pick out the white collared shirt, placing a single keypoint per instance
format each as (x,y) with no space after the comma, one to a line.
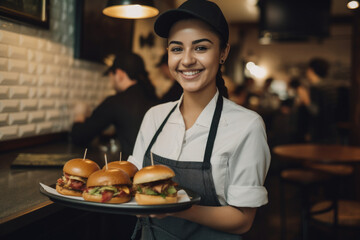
(240,158)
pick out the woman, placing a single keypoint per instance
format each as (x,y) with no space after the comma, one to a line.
(215,147)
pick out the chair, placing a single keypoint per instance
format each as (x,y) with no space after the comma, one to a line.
(314,176)
(305,180)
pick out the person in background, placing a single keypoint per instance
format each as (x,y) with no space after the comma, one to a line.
(217,148)
(320,101)
(125,110)
(175,91)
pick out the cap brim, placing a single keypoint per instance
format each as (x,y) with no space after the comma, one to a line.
(164,22)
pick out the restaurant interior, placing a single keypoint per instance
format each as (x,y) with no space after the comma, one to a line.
(53,54)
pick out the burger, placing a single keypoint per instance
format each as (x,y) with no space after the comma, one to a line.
(154,185)
(108,186)
(126,166)
(76,172)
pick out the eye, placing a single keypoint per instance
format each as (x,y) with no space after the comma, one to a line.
(201,48)
(176,49)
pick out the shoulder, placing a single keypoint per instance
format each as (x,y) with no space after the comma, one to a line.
(236,114)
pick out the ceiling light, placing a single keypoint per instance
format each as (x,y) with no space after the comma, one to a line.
(130,9)
(353,4)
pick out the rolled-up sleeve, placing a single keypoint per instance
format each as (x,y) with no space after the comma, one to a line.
(248,167)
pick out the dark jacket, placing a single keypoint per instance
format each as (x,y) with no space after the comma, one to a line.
(125,111)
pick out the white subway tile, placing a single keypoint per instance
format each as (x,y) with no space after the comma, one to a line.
(40,92)
(9,37)
(44,57)
(53,92)
(52,115)
(9,78)
(37,116)
(27,130)
(4,92)
(28,41)
(53,47)
(17,118)
(4,119)
(9,132)
(3,50)
(46,81)
(19,92)
(4,64)
(27,79)
(9,106)
(46,103)
(17,52)
(53,70)
(28,104)
(32,67)
(40,69)
(30,55)
(44,127)
(17,65)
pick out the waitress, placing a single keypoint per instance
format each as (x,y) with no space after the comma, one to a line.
(215,147)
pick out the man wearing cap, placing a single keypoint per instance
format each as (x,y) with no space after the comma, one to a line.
(125,110)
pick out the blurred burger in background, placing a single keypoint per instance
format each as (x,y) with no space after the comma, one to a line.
(75,175)
(110,185)
(126,166)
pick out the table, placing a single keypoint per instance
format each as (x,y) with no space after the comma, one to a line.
(325,154)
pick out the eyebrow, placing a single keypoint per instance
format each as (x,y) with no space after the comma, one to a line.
(193,42)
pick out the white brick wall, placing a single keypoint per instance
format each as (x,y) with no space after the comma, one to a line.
(40,81)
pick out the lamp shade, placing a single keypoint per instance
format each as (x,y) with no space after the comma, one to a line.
(130,9)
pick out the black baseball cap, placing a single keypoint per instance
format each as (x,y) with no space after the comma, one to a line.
(129,62)
(204,10)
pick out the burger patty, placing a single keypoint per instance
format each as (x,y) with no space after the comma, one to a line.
(72,182)
(163,188)
(108,192)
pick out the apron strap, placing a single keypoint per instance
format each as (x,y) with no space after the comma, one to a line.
(212,132)
(159,130)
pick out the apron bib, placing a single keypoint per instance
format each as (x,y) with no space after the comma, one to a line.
(195,176)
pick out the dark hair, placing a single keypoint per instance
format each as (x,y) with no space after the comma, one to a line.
(319,66)
(134,66)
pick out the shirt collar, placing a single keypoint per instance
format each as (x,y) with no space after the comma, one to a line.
(205,117)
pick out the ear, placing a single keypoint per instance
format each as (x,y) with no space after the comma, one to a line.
(225,52)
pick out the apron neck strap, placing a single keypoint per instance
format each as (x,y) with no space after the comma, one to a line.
(212,133)
(159,130)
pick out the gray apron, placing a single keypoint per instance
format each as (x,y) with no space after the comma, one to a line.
(195,176)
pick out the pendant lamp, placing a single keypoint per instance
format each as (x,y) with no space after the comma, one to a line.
(130,9)
(353,4)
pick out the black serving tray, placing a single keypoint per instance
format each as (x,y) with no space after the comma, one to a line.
(122,208)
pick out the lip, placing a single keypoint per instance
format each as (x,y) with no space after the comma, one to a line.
(190,74)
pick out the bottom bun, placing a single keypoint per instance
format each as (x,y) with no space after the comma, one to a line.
(98,198)
(68,192)
(143,199)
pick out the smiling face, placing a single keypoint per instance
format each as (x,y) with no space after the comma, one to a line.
(194,55)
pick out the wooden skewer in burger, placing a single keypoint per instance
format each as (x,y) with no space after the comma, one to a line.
(153,185)
(109,185)
(75,175)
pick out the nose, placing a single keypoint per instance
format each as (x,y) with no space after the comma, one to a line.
(188,58)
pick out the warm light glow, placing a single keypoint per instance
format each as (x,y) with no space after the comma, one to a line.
(353,4)
(256,71)
(135,11)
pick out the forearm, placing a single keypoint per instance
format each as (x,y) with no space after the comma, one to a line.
(225,218)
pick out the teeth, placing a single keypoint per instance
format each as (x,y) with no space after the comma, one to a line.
(190,73)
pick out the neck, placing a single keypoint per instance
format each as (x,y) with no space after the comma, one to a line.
(193,104)
(127,84)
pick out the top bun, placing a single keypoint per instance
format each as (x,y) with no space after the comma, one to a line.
(128,167)
(153,173)
(110,177)
(80,167)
